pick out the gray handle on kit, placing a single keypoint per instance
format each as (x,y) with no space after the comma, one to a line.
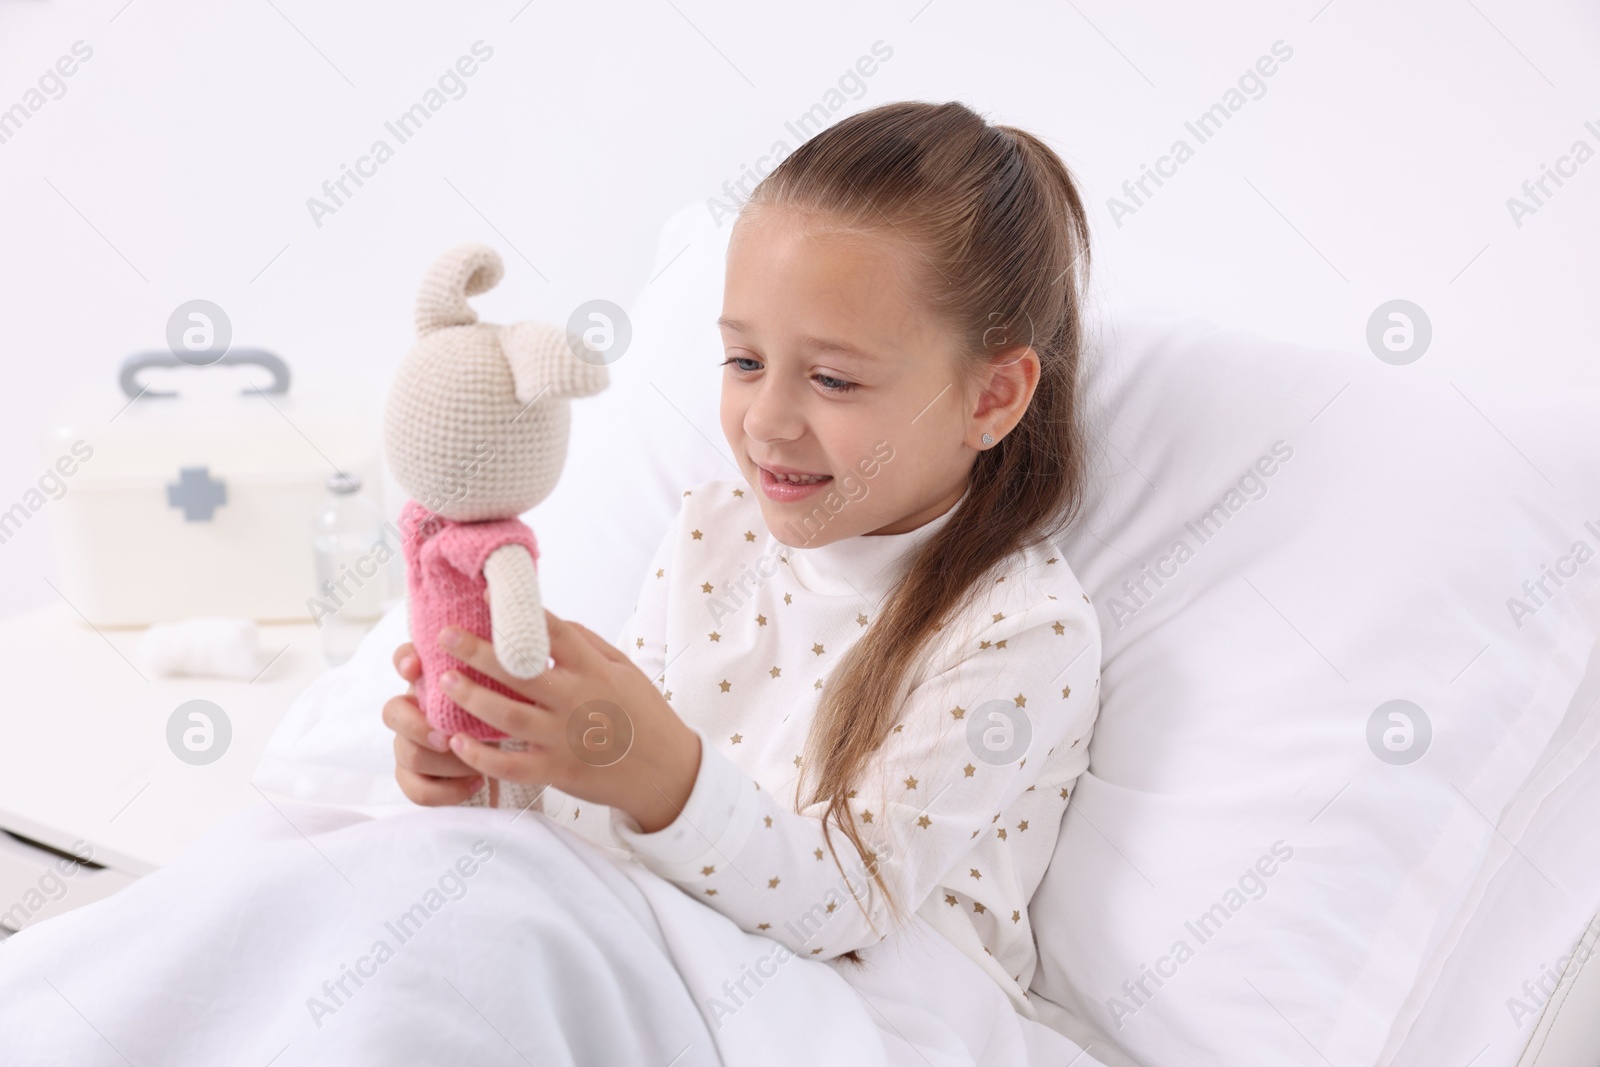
(128,376)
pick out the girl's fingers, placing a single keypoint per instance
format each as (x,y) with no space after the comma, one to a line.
(495,761)
(524,721)
(435,792)
(552,688)
(406,662)
(568,646)
(428,763)
(476,652)
(576,657)
(402,715)
(598,643)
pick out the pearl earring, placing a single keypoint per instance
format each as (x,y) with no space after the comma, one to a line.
(988,440)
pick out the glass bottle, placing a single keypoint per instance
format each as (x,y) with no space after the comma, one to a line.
(353,575)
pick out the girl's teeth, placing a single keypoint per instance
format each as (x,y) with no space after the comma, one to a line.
(797,479)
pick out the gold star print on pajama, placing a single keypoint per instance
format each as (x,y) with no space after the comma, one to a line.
(741,635)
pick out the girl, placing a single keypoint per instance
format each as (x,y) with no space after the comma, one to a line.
(859,682)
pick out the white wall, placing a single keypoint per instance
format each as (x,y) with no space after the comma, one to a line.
(179,160)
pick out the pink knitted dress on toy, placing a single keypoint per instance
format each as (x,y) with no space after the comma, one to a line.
(445,583)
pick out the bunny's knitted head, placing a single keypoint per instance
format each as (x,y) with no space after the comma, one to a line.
(476,422)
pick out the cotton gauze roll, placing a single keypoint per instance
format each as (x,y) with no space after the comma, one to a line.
(215,647)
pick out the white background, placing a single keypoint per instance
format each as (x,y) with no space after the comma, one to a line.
(179,161)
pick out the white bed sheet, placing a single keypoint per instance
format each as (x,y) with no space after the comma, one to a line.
(531,945)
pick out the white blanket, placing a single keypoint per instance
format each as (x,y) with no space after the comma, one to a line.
(309,934)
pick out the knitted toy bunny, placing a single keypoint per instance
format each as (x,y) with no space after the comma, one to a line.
(475,430)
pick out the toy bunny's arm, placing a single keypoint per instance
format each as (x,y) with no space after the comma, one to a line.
(516,612)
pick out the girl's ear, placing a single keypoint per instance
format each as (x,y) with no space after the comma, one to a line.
(544,365)
(465,270)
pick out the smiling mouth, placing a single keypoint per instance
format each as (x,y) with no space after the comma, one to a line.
(789,487)
(797,479)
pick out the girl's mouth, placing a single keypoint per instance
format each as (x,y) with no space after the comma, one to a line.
(787,488)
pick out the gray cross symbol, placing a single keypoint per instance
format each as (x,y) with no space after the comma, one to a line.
(197,493)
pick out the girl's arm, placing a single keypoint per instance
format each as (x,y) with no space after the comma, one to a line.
(940,783)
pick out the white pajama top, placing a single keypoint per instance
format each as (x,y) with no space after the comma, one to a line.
(964,799)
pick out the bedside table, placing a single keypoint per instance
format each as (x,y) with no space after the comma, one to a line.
(86,768)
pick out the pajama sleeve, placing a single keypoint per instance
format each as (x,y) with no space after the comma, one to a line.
(1010,702)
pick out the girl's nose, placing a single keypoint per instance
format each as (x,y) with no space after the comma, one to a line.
(773,414)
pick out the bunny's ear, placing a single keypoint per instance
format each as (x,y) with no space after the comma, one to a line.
(543,364)
(465,270)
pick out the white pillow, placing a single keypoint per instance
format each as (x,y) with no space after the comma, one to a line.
(1498,969)
(1280,543)
(1373,563)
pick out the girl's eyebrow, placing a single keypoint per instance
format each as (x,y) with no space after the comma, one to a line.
(820,344)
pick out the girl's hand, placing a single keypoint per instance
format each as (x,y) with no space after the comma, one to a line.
(428,772)
(596,727)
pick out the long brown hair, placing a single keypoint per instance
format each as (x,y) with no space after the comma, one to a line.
(1003,245)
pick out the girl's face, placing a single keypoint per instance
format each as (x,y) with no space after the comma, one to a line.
(834,369)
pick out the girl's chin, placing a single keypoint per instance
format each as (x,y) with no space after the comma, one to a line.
(795,527)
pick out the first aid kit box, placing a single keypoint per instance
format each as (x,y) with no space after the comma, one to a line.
(177,506)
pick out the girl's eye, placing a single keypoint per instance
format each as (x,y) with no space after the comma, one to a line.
(831,384)
(739,359)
